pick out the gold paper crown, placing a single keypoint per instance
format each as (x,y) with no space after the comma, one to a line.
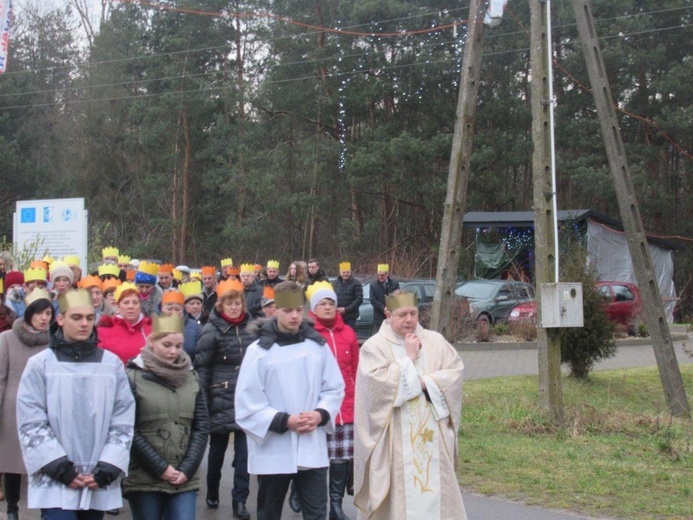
(2,286)
(34,274)
(226,261)
(111,283)
(229,285)
(402,299)
(312,289)
(208,270)
(272,264)
(167,324)
(48,259)
(72,260)
(196,274)
(111,269)
(289,299)
(37,294)
(165,268)
(109,251)
(345,266)
(125,286)
(383,268)
(124,259)
(247,268)
(90,281)
(74,298)
(191,289)
(40,264)
(177,275)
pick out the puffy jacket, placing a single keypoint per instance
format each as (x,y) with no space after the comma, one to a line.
(349,295)
(171,427)
(345,347)
(218,359)
(191,335)
(122,338)
(379,292)
(253,299)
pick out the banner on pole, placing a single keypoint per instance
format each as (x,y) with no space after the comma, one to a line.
(5,22)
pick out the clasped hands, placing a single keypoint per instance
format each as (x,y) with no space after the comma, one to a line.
(304,422)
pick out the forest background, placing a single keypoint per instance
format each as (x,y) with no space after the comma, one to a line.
(290,129)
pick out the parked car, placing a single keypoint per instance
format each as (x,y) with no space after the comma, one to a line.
(423,288)
(492,301)
(622,304)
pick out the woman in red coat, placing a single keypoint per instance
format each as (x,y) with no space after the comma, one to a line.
(344,345)
(125,333)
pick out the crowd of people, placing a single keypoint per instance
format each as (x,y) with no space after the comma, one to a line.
(114,384)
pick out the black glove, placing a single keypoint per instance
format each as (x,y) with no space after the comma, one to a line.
(105,473)
(61,470)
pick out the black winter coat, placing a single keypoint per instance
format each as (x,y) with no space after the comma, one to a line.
(349,296)
(218,359)
(379,292)
(253,299)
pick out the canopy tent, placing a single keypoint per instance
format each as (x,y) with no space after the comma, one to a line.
(505,243)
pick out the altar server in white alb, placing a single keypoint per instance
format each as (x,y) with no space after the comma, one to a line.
(289,391)
(407,413)
(75,418)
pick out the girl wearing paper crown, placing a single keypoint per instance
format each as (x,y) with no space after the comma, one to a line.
(29,335)
(343,343)
(172,304)
(220,351)
(171,427)
(124,334)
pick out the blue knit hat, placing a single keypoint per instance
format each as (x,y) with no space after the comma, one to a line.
(141,277)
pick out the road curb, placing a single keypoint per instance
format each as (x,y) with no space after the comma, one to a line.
(532,345)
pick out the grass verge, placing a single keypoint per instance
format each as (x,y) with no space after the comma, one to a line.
(617,453)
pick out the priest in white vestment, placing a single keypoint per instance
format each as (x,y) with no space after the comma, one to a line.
(407,414)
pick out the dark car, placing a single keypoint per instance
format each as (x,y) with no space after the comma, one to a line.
(622,304)
(492,301)
(423,288)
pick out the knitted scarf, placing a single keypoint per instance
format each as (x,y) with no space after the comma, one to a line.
(173,373)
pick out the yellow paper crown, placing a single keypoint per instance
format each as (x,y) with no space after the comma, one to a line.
(272,264)
(177,275)
(345,266)
(226,261)
(191,289)
(196,274)
(111,269)
(124,259)
(148,267)
(229,285)
(56,264)
(2,286)
(74,298)
(167,324)
(313,288)
(125,286)
(383,268)
(402,299)
(90,281)
(34,274)
(109,251)
(247,268)
(37,294)
(72,260)
(48,259)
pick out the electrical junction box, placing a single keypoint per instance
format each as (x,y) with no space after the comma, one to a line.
(561,305)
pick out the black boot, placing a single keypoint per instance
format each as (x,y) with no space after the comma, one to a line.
(294,502)
(12,486)
(339,474)
(212,501)
(239,511)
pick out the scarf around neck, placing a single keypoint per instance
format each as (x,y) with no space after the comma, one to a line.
(172,372)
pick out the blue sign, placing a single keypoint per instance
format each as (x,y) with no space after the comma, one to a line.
(28,216)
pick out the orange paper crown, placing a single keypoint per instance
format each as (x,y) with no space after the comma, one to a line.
(229,285)
(110,284)
(173,297)
(166,268)
(91,281)
(208,270)
(268,292)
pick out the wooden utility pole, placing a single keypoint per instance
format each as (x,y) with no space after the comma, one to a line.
(458,173)
(548,340)
(665,355)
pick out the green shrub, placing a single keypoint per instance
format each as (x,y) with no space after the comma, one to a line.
(501,329)
(641,330)
(582,347)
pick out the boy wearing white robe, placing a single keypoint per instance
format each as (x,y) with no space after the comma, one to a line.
(289,390)
(75,418)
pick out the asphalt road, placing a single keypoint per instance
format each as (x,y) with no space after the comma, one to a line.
(481,361)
